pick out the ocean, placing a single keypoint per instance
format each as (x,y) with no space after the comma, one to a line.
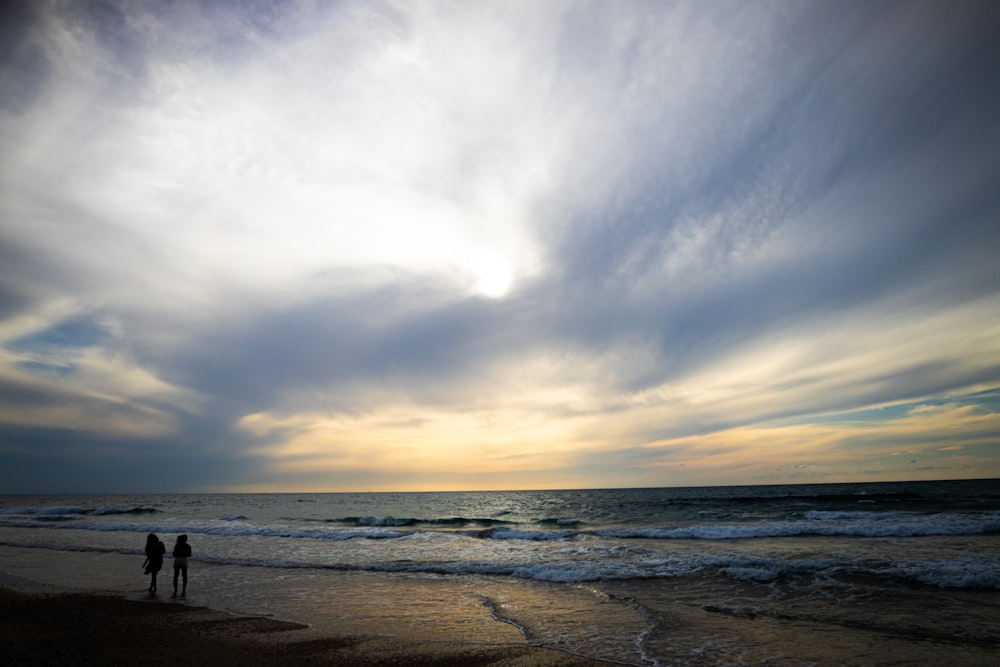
(834,574)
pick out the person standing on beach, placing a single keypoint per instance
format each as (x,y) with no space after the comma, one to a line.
(182,551)
(154,559)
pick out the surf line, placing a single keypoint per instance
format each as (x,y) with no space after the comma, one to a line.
(496,616)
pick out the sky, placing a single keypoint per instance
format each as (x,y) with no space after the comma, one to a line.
(449,245)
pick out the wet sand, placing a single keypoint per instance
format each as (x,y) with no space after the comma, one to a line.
(105,629)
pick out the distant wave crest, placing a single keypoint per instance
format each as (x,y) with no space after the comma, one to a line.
(72,511)
(812,523)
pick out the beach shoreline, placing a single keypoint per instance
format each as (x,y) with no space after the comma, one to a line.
(853,583)
(63,628)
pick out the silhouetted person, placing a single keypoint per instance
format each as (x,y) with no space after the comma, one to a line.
(182,551)
(154,559)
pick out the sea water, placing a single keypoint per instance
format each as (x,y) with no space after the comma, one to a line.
(782,575)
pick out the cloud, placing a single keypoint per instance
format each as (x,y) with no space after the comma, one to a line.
(845,447)
(564,240)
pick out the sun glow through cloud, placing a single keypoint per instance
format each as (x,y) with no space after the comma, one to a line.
(497,245)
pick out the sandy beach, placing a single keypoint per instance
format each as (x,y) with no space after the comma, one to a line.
(280,584)
(104,629)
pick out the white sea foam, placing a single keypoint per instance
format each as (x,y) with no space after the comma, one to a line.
(961,573)
(830,524)
(860,524)
(723,551)
(535,535)
(542,537)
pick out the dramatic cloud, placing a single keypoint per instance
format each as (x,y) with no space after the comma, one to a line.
(357,245)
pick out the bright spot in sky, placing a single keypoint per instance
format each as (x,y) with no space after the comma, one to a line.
(500,244)
(493,274)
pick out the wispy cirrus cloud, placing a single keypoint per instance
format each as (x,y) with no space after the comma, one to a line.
(541,246)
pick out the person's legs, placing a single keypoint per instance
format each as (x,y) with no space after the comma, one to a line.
(184,573)
(176,572)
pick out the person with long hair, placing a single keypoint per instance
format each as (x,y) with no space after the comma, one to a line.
(154,559)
